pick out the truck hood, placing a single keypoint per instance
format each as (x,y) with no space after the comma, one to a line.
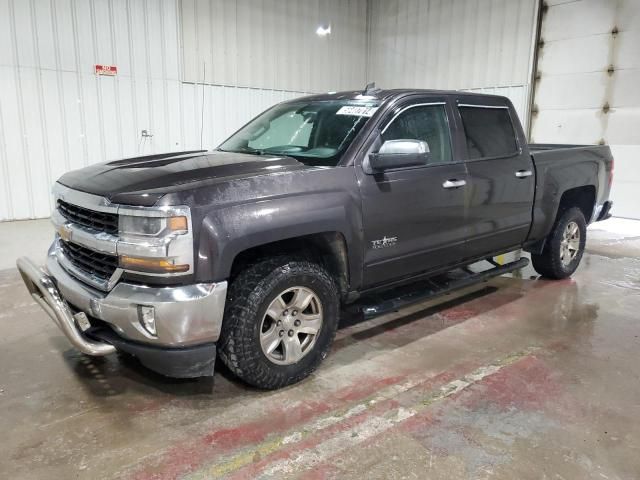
(144,180)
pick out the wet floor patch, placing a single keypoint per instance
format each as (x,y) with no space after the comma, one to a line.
(483,383)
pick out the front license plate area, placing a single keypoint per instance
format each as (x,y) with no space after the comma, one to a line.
(82,321)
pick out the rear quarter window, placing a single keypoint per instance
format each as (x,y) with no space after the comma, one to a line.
(488,132)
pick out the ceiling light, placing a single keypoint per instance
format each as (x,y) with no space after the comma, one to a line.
(323,30)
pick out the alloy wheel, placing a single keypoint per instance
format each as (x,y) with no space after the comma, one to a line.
(290,326)
(570,243)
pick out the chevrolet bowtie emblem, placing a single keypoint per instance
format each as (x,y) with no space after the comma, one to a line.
(65,233)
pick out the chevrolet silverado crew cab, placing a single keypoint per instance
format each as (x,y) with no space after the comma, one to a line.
(252,250)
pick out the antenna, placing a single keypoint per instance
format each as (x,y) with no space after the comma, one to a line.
(204,71)
(370,88)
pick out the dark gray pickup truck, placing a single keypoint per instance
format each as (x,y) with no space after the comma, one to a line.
(252,251)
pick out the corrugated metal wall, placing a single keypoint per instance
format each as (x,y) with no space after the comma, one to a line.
(478,45)
(56,115)
(272,43)
(588,90)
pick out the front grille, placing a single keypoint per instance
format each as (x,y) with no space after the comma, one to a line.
(95,263)
(101,221)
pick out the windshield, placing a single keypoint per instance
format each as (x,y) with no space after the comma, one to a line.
(316,133)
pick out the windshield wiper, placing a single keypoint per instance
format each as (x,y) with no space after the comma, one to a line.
(250,151)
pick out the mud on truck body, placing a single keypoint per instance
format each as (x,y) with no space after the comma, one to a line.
(251,251)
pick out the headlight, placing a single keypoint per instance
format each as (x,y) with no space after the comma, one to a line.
(157,242)
(151,226)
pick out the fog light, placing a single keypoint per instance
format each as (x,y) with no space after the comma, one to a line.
(147,317)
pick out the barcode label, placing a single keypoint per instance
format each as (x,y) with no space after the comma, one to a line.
(357,111)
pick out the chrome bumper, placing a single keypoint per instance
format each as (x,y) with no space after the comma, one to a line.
(185,315)
(44,291)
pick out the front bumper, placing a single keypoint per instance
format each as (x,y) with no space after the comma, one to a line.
(188,318)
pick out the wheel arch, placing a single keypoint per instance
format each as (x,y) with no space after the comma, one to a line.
(326,248)
(583,197)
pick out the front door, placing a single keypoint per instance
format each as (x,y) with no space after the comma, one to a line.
(414,217)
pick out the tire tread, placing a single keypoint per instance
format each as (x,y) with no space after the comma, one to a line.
(548,263)
(237,348)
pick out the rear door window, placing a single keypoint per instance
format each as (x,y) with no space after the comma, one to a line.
(488,131)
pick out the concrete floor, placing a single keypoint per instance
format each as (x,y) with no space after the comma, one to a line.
(516,378)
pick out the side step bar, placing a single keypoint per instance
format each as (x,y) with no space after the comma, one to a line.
(427,289)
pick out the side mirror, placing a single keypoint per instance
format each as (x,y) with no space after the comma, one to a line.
(400,153)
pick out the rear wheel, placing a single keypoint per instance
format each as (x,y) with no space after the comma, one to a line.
(280,321)
(564,247)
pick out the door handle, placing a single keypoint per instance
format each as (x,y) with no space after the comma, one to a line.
(524,173)
(453,183)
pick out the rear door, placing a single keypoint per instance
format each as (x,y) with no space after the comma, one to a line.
(413,218)
(501,174)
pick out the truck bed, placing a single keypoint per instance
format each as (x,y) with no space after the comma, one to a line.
(537,147)
(574,167)
(599,155)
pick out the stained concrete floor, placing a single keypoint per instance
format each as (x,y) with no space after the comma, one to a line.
(515,378)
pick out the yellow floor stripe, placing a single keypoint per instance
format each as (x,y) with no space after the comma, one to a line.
(242,459)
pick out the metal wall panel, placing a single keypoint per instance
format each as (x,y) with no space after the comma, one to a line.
(56,115)
(272,43)
(587,92)
(459,44)
(476,45)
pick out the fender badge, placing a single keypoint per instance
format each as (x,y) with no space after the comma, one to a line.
(384,242)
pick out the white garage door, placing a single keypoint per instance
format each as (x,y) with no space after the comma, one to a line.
(588,86)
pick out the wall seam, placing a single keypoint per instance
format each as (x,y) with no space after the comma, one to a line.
(134,103)
(150,109)
(61,96)
(116,85)
(81,106)
(21,119)
(4,167)
(41,109)
(537,32)
(98,83)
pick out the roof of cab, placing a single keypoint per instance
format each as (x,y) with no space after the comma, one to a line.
(382,95)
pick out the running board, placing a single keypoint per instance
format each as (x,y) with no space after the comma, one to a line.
(400,297)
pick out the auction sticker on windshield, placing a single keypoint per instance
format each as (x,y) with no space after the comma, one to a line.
(357,110)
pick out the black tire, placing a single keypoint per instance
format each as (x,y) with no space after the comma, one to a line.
(250,294)
(549,263)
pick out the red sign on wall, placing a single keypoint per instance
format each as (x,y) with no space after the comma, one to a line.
(106,70)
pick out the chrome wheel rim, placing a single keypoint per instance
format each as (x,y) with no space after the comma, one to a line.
(570,243)
(290,326)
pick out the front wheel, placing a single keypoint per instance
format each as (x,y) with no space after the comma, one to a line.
(281,318)
(564,248)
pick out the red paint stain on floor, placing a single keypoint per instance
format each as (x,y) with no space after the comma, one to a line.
(528,384)
(406,398)
(309,443)
(364,389)
(185,457)
(459,314)
(191,454)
